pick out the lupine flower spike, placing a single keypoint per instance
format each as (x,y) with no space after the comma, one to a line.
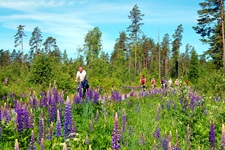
(42,144)
(222,141)
(16,145)
(90,147)
(68,118)
(86,139)
(212,135)
(32,142)
(64,146)
(116,135)
(58,125)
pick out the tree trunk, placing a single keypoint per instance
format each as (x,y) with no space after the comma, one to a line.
(22,50)
(222,21)
(166,65)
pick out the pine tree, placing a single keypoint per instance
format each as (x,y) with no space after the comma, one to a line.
(194,67)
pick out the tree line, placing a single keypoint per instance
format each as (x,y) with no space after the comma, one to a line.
(134,54)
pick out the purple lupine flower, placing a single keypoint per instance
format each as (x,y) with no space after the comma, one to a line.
(222,141)
(53,109)
(41,128)
(16,145)
(125,96)
(49,113)
(73,131)
(157,133)
(116,135)
(113,97)
(86,140)
(25,117)
(68,118)
(6,115)
(42,101)
(89,95)
(192,103)
(80,91)
(124,121)
(141,140)
(58,125)
(19,119)
(42,145)
(77,99)
(60,111)
(212,136)
(96,97)
(118,96)
(31,120)
(55,93)
(165,144)
(162,106)
(48,98)
(50,131)
(61,98)
(32,142)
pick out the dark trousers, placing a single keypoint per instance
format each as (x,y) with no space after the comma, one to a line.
(85,86)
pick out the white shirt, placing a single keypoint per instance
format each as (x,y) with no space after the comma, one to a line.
(81,75)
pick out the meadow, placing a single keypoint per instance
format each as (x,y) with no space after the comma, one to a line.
(175,118)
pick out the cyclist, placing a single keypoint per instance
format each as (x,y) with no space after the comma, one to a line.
(153,83)
(143,82)
(82,75)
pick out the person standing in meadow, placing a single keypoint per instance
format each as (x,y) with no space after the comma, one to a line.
(82,76)
(153,83)
(169,83)
(143,82)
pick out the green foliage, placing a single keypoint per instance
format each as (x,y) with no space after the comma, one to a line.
(41,71)
(194,67)
(212,84)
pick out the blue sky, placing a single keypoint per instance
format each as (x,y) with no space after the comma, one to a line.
(69,20)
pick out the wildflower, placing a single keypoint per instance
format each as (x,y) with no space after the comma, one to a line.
(51,131)
(16,145)
(31,120)
(222,141)
(55,93)
(86,139)
(165,144)
(42,144)
(116,134)
(96,97)
(53,109)
(32,142)
(68,118)
(212,136)
(58,125)
(157,133)
(41,129)
(77,99)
